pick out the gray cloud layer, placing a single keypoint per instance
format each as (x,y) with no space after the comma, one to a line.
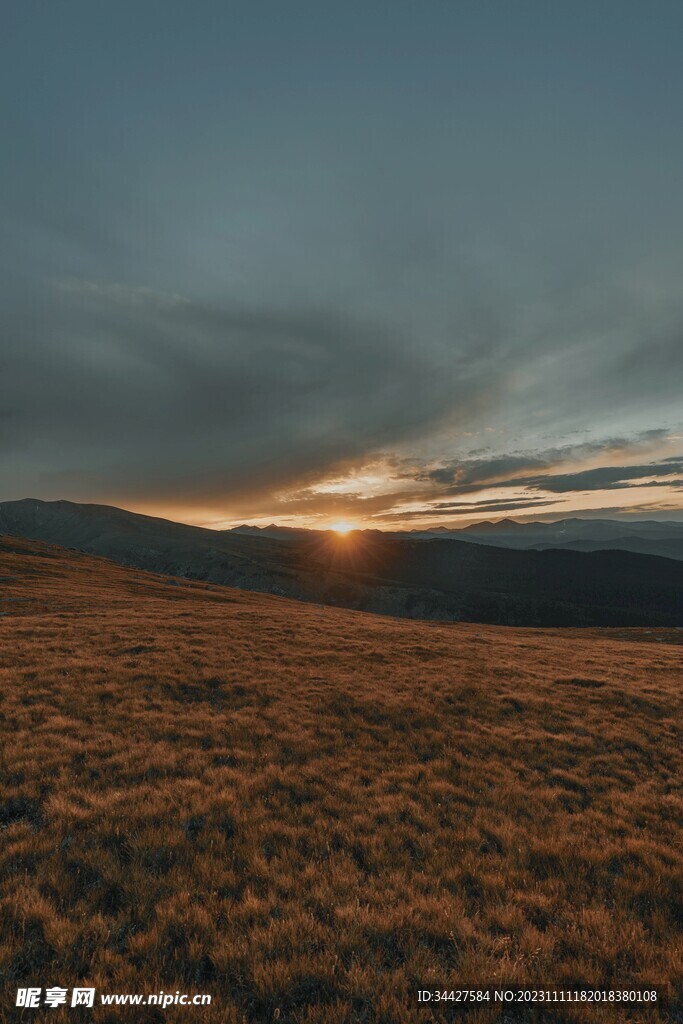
(149,394)
(245,250)
(470,476)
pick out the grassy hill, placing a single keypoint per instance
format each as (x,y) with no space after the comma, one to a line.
(312,813)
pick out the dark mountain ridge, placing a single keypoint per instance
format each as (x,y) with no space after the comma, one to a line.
(647,537)
(387,573)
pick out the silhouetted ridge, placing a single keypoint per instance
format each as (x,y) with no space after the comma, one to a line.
(387,573)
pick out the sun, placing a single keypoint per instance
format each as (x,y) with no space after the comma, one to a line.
(342,527)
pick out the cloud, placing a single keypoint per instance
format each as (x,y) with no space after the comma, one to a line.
(257,284)
(130,393)
(463,476)
(603,478)
(491,505)
(475,476)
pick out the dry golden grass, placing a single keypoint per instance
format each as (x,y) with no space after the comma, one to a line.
(311,813)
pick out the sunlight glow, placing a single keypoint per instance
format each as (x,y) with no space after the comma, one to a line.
(342,527)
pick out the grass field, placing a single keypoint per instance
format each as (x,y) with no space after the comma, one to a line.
(312,813)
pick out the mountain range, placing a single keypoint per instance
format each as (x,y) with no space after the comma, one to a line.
(646,537)
(394,574)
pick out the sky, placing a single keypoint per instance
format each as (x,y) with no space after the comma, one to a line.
(392,264)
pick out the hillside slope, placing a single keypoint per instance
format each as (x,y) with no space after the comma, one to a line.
(311,813)
(671,547)
(436,579)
